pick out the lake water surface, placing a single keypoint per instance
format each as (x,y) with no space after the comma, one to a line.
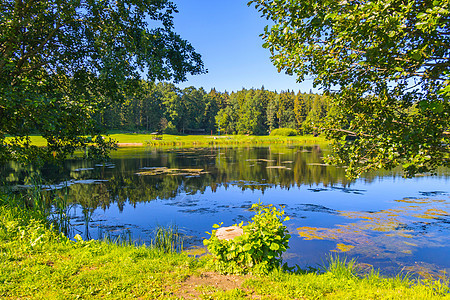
(382,219)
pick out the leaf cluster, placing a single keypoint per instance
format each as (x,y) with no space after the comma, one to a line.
(258,250)
(385,66)
(60,62)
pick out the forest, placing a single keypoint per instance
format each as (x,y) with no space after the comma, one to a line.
(163,107)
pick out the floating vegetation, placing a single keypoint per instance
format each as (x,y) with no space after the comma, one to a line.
(426,270)
(343,248)
(316,208)
(278,167)
(61,185)
(433,193)
(342,189)
(349,190)
(261,159)
(317,190)
(153,171)
(387,233)
(287,162)
(318,164)
(106,165)
(410,244)
(83,169)
(419,200)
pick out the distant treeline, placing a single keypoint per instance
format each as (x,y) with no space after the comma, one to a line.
(163,107)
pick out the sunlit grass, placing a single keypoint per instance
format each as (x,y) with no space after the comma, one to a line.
(138,139)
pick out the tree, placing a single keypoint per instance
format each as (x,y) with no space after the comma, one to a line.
(386,67)
(285,113)
(211,110)
(300,112)
(272,109)
(173,108)
(62,61)
(194,108)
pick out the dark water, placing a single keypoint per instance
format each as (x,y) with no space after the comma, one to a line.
(382,219)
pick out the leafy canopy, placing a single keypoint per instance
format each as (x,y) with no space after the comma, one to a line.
(63,61)
(385,65)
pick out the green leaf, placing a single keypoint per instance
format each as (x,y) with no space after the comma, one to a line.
(247,247)
(416,55)
(274,246)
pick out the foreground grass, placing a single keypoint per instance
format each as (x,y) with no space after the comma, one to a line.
(38,263)
(138,139)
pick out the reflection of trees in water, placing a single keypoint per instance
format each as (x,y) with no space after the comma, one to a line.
(301,167)
(251,168)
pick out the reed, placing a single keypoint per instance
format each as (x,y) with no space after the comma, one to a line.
(167,239)
(35,202)
(339,266)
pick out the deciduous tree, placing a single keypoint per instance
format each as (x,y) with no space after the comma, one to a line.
(385,65)
(62,61)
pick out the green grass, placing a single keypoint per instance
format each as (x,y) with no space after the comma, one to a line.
(37,262)
(207,140)
(199,140)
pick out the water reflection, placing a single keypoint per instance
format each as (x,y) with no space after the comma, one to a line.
(382,219)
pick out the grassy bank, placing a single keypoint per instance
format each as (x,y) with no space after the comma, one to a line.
(139,139)
(39,263)
(208,140)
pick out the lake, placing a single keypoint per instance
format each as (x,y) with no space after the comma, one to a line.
(381,219)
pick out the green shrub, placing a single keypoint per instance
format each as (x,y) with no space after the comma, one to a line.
(258,250)
(284,132)
(170,129)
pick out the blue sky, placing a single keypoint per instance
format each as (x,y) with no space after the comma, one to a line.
(226,34)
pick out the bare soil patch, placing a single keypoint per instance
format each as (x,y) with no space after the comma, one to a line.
(208,283)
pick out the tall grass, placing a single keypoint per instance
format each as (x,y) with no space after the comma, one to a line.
(36,203)
(167,239)
(340,267)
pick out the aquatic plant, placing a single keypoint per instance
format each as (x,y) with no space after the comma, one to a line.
(258,250)
(167,239)
(340,267)
(41,204)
